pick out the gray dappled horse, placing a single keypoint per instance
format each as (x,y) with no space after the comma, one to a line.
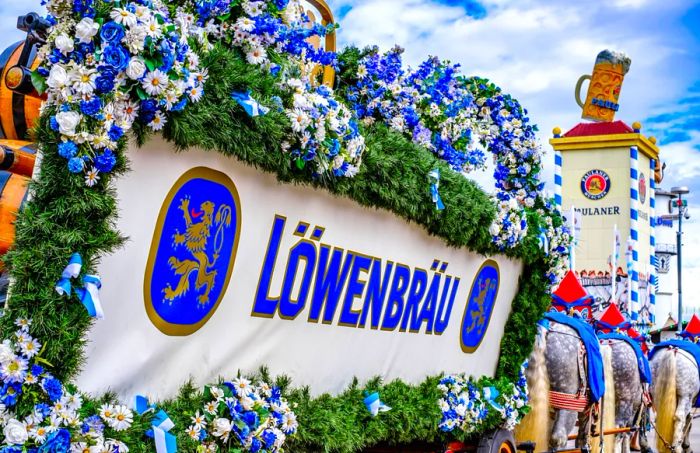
(558,367)
(675,384)
(629,393)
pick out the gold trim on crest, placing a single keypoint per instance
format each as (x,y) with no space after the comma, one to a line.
(210,175)
(471,349)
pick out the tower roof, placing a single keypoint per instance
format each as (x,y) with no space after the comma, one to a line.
(587,129)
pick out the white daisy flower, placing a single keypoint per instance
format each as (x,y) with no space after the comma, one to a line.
(216,392)
(257,55)
(300,120)
(158,121)
(23,323)
(242,386)
(199,421)
(193,431)
(83,80)
(195,93)
(107,412)
(245,24)
(14,370)
(123,417)
(210,407)
(153,28)
(124,17)
(289,422)
(30,348)
(155,82)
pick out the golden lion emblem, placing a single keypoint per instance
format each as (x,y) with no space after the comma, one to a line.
(478,318)
(196,239)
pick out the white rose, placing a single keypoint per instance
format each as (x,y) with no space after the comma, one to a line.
(222,427)
(58,77)
(64,43)
(67,122)
(6,353)
(494,229)
(86,29)
(15,432)
(136,69)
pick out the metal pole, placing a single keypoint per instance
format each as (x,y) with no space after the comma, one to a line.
(679,245)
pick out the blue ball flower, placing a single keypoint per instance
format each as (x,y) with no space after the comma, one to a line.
(251,419)
(105,81)
(115,133)
(91,107)
(53,387)
(112,32)
(37,370)
(255,445)
(116,56)
(57,442)
(53,124)
(75,165)
(105,162)
(269,438)
(67,149)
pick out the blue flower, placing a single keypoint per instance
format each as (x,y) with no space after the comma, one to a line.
(57,442)
(67,150)
(52,386)
(37,370)
(43,409)
(269,438)
(255,445)
(105,162)
(91,107)
(147,110)
(105,81)
(93,424)
(251,419)
(112,32)
(115,133)
(11,449)
(116,56)
(9,393)
(53,124)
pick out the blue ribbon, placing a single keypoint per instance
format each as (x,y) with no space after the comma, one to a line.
(490,394)
(434,178)
(544,241)
(72,270)
(161,424)
(250,105)
(374,404)
(90,297)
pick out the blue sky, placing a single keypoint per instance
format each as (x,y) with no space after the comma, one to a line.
(536,50)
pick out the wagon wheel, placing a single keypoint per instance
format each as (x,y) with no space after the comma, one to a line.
(501,441)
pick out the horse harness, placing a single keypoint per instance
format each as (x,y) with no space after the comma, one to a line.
(579,401)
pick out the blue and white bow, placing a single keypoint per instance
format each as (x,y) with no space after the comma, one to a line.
(72,270)
(544,241)
(160,425)
(250,105)
(89,295)
(490,394)
(434,178)
(374,404)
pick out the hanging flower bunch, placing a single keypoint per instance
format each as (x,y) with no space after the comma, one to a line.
(324,131)
(429,105)
(107,65)
(510,225)
(511,138)
(558,246)
(467,406)
(54,423)
(243,415)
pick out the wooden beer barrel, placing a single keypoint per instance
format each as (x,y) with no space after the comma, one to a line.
(18,112)
(17,156)
(13,193)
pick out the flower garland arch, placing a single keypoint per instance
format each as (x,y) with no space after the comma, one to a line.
(111,68)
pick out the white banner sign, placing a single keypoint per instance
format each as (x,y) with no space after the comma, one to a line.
(225,269)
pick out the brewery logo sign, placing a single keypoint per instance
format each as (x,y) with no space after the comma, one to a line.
(595,184)
(642,188)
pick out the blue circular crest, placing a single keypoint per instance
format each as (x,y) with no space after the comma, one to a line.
(479,307)
(192,252)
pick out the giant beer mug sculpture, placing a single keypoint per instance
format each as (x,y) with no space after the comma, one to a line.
(604,87)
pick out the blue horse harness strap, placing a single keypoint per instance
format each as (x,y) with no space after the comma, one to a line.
(584,301)
(596,377)
(642,362)
(686,346)
(604,325)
